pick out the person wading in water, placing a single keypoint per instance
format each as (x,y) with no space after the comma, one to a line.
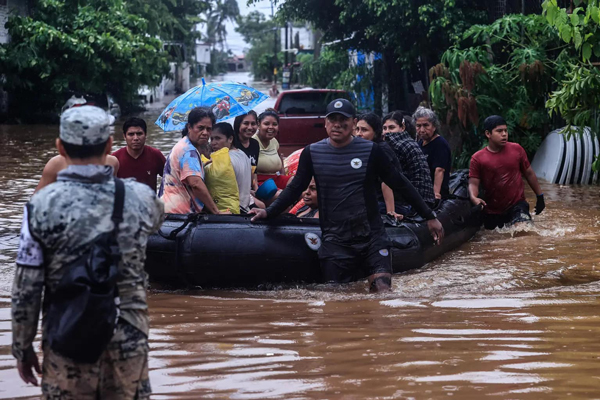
(64,235)
(499,168)
(346,171)
(58,163)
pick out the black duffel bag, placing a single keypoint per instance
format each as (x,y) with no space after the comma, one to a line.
(84,308)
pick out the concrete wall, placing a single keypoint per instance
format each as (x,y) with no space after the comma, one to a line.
(7,6)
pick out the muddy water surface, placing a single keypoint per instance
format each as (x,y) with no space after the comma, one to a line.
(508,315)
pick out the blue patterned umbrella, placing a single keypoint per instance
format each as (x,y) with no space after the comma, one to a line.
(225,99)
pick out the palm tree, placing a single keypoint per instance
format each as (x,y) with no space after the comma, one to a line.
(220,11)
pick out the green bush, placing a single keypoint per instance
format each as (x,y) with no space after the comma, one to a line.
(90,46)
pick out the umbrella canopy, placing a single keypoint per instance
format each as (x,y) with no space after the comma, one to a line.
(225,99)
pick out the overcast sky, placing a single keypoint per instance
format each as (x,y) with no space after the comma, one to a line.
(235,41)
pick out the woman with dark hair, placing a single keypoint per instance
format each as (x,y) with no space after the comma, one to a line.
(244,127)
(369,127)
(270,164)
(394,122)
(225,153)
(182,189)
(311,202)
(398,121)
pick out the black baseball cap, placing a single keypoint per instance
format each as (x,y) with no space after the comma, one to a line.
(341,106)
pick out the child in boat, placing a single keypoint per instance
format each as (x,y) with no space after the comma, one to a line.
(311,202)
(229,172)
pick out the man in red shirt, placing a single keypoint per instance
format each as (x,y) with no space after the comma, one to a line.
(499,168)
(137,160)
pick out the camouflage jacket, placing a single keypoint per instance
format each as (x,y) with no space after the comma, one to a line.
(59,224)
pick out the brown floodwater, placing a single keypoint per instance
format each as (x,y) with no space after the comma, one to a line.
(509,315)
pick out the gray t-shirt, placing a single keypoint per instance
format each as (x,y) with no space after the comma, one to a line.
(243,175)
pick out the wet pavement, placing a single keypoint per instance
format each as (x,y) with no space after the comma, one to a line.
(511,314)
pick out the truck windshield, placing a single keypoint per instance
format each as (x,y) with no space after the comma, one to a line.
(309,102)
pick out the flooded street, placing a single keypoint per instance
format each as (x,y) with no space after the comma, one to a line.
(508,315)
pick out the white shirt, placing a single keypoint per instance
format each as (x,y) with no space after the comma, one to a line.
(243,175)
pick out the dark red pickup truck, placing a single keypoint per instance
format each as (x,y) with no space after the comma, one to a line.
(302,116)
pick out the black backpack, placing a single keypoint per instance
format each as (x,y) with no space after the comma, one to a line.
(84,309)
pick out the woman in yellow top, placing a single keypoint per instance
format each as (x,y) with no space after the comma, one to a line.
(270,162)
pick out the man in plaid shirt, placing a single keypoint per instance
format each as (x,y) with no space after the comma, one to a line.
(412,160)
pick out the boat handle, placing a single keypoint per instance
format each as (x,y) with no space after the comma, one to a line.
(175,232)
(460,220)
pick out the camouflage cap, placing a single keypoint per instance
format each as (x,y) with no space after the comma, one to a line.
(84,126)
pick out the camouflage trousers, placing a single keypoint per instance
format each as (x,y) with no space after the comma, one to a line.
(121,373)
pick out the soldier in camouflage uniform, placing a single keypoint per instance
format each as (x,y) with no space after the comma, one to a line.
(60,222)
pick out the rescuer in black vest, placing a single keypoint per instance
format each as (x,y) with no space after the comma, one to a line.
(346,170)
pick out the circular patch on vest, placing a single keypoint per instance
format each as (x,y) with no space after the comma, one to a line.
(356,163)
(384,252)
(338,104)
(313,241)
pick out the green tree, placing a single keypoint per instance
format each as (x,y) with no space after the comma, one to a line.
(91,46)
(220,11)
(508,67)
(577,99)
(173,21)
(327,70)
(257,31)
(403,31)
(218,62)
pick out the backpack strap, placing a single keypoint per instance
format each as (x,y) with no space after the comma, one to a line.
(117,215)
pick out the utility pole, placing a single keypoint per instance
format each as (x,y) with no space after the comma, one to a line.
(274,45)
(286,44)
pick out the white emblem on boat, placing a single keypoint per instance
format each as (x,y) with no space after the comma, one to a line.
(313,241)
(338,104)
(356,163)
(384,252)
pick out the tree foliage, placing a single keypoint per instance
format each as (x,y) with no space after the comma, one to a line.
(508,68)
(405,32)
(325,71)
(219,12)
(173,21)
(258,31)
(89,46)
(577,98)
